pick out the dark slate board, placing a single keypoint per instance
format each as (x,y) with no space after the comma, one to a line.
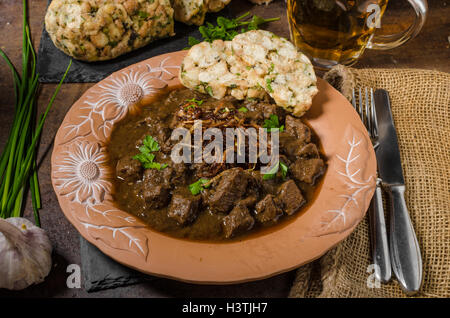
(101,272)
(52,63)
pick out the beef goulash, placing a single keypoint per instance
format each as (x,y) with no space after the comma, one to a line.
(217,201)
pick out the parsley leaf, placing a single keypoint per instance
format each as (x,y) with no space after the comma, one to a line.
(190,106)
(193,41)
(150,143)
(209,90)
(284,170)
(273,123)
(226,29)
(155,165)
(192,103)
(269,85)
(273,172)
(146,157)
(196,101)
(199,186)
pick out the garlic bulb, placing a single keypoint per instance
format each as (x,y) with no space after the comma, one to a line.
(25,254)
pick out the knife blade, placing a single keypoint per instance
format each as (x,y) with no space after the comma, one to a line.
(388,152)
(404,248)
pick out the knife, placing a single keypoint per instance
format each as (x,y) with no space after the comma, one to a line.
(404,247)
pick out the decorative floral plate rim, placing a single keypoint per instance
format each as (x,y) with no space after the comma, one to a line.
(82,184)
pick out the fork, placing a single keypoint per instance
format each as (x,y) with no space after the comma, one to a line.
(379,241)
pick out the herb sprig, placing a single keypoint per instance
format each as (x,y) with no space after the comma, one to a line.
(195,101)
(192,103)
(226,29)
(147,156)
(273,172)
(199,186)
(273,123)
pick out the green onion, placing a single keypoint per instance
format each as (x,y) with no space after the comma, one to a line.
(18,167)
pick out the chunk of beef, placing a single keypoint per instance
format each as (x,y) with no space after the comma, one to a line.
(307,170)
(162,136)
(254,114)
(205,170)
(290,145)
(309,151)
(179,173)
(159,177)
(129,169)
(231,187)
(238,221)
(157,186)
(183,209)
(268,186)
(267,210)
(296,128)
(289,197)
(156,196)
(272,109)
(249,200)
(284,159)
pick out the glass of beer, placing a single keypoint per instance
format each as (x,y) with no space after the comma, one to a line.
(334,32)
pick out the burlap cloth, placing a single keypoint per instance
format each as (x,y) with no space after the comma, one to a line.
(420,106)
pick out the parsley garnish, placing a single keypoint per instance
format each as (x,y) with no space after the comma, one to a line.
(199,186)
(272,173)
(209,90)
(269,85)
(146,157)
(227,29)
(196,101)
(243,109)
(272,66)
(284,170)
(192,103)
(273,123)
(190,106)
(193,41)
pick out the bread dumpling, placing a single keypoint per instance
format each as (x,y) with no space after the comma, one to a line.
(96,30)
(253,65)
(194,11)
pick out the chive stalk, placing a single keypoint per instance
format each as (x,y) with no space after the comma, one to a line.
(18,168)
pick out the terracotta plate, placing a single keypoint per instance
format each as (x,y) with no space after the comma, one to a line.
(82,183)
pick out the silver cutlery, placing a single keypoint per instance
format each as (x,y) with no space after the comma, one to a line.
(404,247)
(379,241)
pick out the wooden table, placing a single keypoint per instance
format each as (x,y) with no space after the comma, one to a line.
(429,50)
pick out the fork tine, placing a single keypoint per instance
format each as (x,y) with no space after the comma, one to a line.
(366,111)
(360,110)
(373,115)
